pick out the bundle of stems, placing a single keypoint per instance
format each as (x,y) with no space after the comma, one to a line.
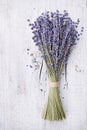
(55,34)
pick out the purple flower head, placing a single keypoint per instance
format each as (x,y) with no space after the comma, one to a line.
(55,34)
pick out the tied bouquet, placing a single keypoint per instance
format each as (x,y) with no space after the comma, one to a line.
(55,34)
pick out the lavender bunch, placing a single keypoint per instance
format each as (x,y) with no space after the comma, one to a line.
(55,34)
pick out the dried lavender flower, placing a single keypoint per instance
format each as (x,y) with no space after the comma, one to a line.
(55,34)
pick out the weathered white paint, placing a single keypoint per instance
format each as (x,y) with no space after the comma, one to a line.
(21,100)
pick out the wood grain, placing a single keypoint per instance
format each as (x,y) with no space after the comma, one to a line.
(21,95)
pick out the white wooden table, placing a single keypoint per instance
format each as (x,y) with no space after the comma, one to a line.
(21,100)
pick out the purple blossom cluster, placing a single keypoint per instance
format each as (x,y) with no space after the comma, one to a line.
(55,34)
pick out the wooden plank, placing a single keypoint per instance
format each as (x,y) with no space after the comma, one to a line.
(21,100)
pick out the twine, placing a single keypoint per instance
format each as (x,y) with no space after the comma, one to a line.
(53,84)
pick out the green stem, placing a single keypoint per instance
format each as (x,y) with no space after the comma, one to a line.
(53,109)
